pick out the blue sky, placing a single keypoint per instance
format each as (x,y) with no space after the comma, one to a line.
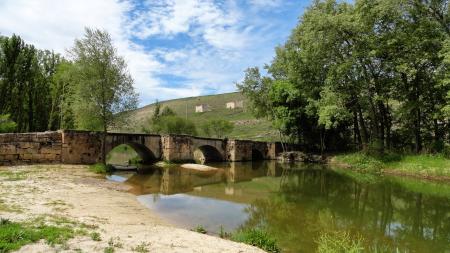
(174,48)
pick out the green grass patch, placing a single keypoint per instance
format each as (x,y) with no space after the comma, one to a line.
(258,238)
(14,235)
(426,165)
(101,168)
(13,175)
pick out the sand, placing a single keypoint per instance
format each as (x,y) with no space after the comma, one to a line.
(79,195)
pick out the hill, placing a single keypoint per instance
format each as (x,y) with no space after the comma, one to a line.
(246,126)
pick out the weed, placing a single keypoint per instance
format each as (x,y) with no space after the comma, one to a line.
(200,229)
(95,236)
(223,234)
(13,235)
(101,168)
(141,248)
(258,238)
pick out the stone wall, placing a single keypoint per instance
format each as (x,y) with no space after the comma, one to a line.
(84,147)
(30,148)
(81,147)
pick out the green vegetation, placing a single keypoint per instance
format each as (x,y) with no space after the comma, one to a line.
(166,121)
(422,165)
(256,237)
(217,128)
(101,168)
(339,241)
(365,75)
(95,236)
(200,229)
(141,248)
(14,235)
(6,124)
(246,126)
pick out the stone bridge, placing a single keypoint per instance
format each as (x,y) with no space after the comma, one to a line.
(84,147)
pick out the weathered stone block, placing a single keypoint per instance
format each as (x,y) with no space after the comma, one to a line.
(8,149)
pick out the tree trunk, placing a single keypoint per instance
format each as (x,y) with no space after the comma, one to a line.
(364,134)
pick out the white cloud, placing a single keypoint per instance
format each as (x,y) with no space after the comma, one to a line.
(223,39)
(266,3)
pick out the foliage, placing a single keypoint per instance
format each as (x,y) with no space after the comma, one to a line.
(6,124)
(339,241)
(104,88)
(101,168)
(95,236)
(367,74)
(14,235)
(200,229)
(26,78)
(218,128)
(420,165)
(141,248)
(256,237)
(165,121)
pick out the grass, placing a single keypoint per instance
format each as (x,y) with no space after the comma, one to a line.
(246,125)
(13,175)
(142,248)
(14,235)
(95,236)
(419,165)
(339,241)
(101,168)
(55,230)
(200,229)
(256,237)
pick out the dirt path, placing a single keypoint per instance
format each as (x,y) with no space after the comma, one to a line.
(77,194)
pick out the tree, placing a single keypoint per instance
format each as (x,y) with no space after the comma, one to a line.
(218,128)
(6,124)
(374,70)
(104,87)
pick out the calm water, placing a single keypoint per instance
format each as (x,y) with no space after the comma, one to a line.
(297,203)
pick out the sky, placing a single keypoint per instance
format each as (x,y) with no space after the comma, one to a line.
(173,48)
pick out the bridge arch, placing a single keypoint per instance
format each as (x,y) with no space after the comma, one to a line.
(144,153)
(206,154)
(257,155)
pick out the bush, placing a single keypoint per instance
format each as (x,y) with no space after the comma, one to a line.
(6,124)
(101,168)
(217,128)
(258,238)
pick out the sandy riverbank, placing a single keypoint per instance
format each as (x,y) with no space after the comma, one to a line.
(79,195)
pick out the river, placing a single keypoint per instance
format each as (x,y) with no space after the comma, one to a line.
(297,203)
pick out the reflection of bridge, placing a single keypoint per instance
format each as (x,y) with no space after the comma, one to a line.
(83,147)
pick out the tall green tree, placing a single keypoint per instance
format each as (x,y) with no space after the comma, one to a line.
(104,87)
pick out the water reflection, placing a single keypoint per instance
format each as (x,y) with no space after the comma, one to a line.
(296,203)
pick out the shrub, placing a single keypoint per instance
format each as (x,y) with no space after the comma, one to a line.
(6,124)
(258,238)
(101,168)
(200,229)
(218,128)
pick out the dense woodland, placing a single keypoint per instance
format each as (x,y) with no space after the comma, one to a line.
(372,75)
(41,90)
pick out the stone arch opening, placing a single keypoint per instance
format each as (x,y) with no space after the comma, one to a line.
(206,154)
(257,155)
(130,153)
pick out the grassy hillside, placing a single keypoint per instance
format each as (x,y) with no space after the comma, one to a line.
(246,126)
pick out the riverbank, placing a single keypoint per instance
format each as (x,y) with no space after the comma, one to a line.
(94,215)
(432,167)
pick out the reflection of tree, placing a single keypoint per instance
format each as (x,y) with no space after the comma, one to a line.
(314,201)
